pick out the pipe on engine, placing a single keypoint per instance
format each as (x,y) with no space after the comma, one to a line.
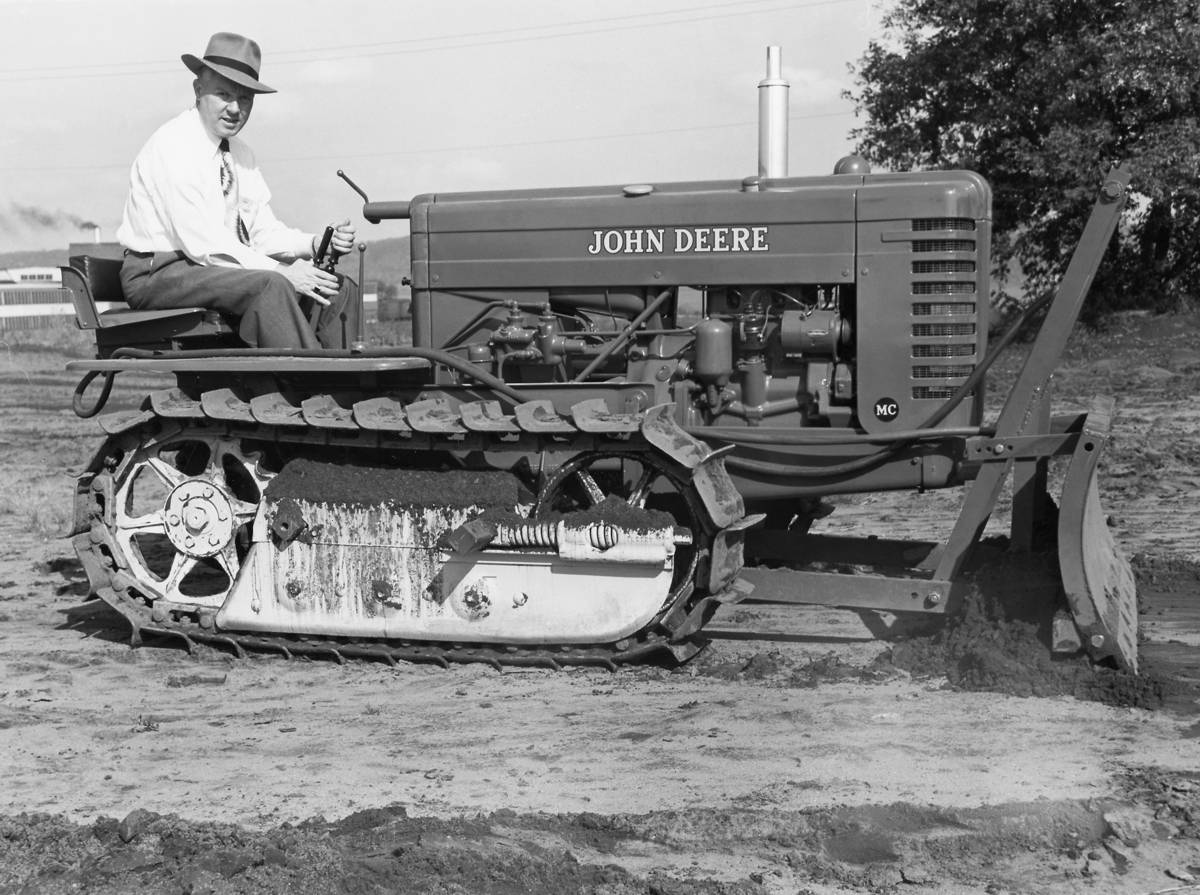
(773,118)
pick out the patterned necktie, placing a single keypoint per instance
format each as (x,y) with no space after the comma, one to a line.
(229,191)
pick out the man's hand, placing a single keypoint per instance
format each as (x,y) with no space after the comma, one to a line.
(342,240)
(311,281)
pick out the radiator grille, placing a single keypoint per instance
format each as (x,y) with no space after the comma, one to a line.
(959,349)
(933,392)
(958,288)
(940,368)
(943,245)
(922,224)
(943,308)
(932,330)
(943,267)
(946,371)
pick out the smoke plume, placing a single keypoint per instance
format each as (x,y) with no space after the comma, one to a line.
(20,217)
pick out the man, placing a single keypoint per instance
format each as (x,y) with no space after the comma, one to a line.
(198,229)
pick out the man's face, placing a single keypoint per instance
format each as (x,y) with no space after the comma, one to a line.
(223,105)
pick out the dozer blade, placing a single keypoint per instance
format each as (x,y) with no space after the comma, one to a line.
(1098,580)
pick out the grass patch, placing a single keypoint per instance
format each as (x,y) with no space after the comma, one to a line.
(61,336)
(40,504)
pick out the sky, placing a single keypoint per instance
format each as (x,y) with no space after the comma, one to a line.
(410,98)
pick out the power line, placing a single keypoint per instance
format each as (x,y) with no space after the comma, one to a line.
(578,33)
(528,143)
(471,148)
(580,22)
(424,45)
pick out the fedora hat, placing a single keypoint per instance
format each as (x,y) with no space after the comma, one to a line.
(231,56)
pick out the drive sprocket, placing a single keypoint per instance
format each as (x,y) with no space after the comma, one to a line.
(181,503)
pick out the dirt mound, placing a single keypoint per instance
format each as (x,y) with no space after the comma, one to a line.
(774,667)
(720,851)
(997,639)
(1168,575)
(1000,640)
(375,851)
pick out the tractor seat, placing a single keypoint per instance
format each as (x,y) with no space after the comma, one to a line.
(95,287)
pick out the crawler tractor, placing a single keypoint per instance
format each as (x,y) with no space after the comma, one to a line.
(609,390)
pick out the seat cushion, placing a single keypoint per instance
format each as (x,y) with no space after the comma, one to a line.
(128,316)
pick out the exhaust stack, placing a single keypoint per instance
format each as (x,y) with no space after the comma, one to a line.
(773,118)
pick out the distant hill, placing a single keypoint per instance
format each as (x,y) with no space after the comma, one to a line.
(386,261)
(37,258)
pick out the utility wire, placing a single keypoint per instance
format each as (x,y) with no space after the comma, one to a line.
(580,22)
(527,143)
(419,45)
(308,51)
(442,149)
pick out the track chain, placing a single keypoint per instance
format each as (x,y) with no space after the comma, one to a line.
(331,420)
(437,417)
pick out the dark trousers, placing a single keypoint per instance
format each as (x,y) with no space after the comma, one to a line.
(270,314)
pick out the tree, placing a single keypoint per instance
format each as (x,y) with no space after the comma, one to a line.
(1042,97)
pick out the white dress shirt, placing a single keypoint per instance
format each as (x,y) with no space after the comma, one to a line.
(175,202)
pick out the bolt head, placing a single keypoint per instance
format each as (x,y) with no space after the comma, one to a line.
(1097,641)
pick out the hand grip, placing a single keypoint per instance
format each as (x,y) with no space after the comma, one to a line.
(319,258)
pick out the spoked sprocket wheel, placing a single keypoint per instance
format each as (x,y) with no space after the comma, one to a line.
(645,481)
(181,504)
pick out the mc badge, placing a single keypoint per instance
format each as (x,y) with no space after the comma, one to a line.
(886,409)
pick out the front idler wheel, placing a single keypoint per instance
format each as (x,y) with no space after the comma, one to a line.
(181,510)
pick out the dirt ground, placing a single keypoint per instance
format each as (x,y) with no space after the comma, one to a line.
(796,754)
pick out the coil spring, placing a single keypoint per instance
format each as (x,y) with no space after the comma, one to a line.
(530,534)
(603,536)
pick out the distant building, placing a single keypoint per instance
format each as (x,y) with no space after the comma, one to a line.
(29,277)
(32,297)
